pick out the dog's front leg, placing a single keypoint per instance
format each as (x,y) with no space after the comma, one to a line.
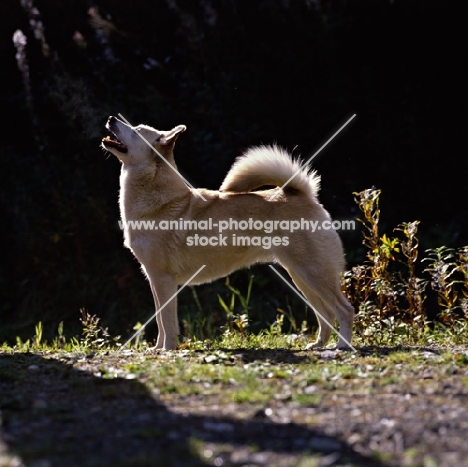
(163,288)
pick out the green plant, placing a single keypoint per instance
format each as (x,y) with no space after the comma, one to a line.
(463,267)
(386,289)
(372,286)
(93,336)
(38,335)
(60,340)
(237,322)
(444,271)
(413,287)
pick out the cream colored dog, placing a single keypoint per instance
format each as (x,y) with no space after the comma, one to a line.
(153,193)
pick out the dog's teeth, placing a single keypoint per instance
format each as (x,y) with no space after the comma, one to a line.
(115,143)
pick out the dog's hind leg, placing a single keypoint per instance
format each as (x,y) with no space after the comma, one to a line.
(164,287)
(345,316)
(325,316)
(328,302)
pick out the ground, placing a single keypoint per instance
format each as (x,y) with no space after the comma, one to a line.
(377,407)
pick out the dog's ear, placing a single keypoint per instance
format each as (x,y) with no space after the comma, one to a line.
(168,138)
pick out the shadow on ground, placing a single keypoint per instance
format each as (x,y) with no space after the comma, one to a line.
(54,415)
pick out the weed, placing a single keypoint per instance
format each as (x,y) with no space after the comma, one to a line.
(237,322)
(386,291)
(446,274)
(93,335)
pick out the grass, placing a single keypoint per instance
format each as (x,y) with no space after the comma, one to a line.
(239,372)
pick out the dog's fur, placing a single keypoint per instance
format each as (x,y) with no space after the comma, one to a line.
(151,190)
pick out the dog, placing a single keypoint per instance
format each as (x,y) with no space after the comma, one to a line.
(264,187)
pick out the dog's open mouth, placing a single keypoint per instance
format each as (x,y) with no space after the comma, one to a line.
(115,143)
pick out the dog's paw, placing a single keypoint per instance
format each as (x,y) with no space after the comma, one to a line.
(342,346)
(161,348)
(314,345)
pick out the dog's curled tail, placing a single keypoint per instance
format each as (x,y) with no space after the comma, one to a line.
(270,166)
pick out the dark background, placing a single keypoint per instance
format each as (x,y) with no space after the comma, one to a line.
(236,73)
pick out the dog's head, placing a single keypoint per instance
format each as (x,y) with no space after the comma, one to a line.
(139,144)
